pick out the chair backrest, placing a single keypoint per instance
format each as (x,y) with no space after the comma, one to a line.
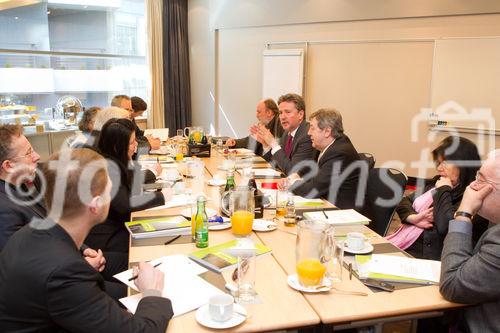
(369,158)
(384,185)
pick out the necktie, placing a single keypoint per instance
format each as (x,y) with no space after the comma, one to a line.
(288,147)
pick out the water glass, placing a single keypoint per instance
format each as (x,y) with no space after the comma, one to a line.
(246,278)
(220,146)
(334,258)
(180,133)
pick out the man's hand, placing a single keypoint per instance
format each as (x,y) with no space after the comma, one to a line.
(148,277)
(158,169)
(423,220)
(95,258)
(474,196)
(230,143)
(443,181)
(263,135)
(153,142)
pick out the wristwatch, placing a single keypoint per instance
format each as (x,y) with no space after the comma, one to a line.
(462,213)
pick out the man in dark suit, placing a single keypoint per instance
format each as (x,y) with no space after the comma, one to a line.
(46,285)
(19,197)
(469,274)
(267,114)
(136,107)
(336,178)
(294,145)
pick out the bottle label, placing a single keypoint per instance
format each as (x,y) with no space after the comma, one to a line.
(202,237)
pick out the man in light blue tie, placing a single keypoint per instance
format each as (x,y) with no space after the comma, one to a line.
(294,145)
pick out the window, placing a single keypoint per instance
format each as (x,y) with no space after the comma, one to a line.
(92,49)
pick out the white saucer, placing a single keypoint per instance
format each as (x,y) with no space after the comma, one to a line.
(293,282)
(203,317)
(221,167)
(263,225)
(186,212)
(367,249)
(216,182)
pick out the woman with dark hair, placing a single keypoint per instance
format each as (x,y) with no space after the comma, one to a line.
(425,217)
(117,144)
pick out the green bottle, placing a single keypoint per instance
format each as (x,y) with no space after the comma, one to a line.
(201,226)
(230,184)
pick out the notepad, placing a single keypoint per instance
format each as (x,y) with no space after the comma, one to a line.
(183,286)
(338,217)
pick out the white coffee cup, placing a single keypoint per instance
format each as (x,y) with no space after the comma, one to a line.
(220,307)
(355,241)
(179,188)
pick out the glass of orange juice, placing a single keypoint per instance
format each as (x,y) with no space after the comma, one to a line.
(310,272)
(313,251)
(241,208)
(242,222)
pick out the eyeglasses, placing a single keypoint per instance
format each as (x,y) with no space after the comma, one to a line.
(28,154)
(481,180)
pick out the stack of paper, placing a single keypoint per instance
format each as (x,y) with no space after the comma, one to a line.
(178,200)
(160,133)
(266,173)
(300,202)
(159,227)
(338,217)
(398,269)
(185,289)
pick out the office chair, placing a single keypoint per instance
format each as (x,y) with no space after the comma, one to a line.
(369,158)
(383,184)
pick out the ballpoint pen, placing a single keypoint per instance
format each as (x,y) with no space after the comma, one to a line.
(172,240)
(135,276)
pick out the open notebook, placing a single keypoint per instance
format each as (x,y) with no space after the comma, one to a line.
(338,217)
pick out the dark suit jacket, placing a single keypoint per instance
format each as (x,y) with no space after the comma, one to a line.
(112,234)
(142,141)
(14,216)
(248,142)
(324,185)
(46,286)
(301,150)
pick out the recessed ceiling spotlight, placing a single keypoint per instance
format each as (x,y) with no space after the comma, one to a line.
(16,18)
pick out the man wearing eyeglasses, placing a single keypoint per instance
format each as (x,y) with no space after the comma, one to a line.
(471,275)
(20,200)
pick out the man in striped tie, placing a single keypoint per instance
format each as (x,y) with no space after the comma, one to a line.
(294,145)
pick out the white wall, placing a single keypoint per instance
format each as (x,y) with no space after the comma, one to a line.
(378,87)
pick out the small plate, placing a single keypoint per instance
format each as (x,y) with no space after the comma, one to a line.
(203,317)
(367,249)
(263,225)
(186,212)
(216,182)
(293,281)
(220,226)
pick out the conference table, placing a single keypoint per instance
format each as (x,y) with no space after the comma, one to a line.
(282,307)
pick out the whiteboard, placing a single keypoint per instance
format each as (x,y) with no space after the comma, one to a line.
(282,72)
(466,81)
